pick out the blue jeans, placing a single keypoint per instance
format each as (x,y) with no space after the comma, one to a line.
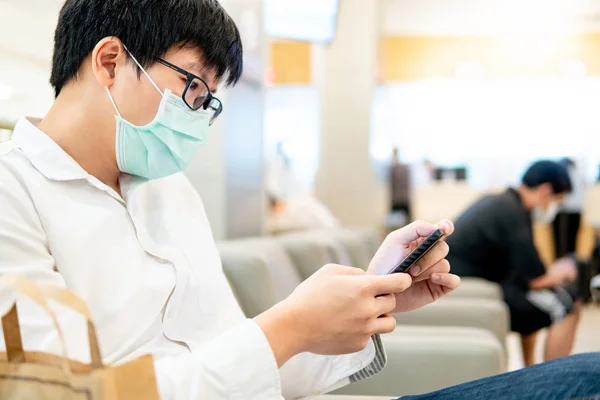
(571,378)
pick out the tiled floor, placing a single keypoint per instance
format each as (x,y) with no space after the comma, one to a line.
(588,338)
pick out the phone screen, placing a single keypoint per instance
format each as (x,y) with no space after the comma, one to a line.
(419,252)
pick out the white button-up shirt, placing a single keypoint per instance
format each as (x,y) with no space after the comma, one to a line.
(148,268)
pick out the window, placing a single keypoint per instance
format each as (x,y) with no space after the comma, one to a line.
(495,127)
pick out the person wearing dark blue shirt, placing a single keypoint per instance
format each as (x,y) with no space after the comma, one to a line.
(494,241)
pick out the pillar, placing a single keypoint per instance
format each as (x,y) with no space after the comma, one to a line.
(346,180)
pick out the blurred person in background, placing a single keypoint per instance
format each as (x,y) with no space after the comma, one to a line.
(401,186)
(568,220)
(93,199)
(281,183)
(423,173)
(293,205)
(494,241)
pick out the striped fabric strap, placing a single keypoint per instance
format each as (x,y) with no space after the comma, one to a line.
(376,366)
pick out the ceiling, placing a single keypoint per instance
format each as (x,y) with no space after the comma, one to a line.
(27,26)
(489,17)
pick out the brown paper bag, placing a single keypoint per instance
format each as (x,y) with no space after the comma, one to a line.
(40,376)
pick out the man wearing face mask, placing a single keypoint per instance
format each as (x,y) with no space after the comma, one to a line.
(494,241)
(92,198)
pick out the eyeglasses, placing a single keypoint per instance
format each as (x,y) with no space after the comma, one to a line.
(197,95)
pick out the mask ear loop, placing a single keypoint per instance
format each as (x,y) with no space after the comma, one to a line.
(112,101)
(143,70)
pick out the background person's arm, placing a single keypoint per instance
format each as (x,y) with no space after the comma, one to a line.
(527,267)
(545,281)
(563,270)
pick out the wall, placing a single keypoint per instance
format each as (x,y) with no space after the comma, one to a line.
(418,57)
(31,93)
(488,17)
(206,173)
(244,127)
(290,62)
(26,40)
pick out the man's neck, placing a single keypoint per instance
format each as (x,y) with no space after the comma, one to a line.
(85,135)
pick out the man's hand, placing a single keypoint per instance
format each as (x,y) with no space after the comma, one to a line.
(430,275)
(563,270)
(335,311)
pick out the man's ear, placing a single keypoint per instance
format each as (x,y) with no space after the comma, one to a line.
(108,55)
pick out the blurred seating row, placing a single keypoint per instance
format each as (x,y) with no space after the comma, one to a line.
(457,339)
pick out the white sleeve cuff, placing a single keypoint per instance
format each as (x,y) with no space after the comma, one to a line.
(238,364)
(312,375)
(376,366)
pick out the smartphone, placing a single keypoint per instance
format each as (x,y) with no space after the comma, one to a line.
(419,252)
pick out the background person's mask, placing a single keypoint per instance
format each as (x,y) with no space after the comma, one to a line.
(546,215)
(166,145)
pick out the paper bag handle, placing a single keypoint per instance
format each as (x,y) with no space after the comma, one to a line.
(76,303)
(10,321)
(39,294)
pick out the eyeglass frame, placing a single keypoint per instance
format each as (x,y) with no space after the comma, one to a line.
(190,78)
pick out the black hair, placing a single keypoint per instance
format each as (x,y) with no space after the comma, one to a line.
(149,29)
(551,172)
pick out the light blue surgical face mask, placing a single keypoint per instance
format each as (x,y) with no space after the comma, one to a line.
(546,215)
(166,145)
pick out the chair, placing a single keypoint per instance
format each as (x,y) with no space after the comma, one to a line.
(478,305)
(261,274)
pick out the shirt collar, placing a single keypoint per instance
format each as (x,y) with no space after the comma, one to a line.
(44,153)
(55,164)
(517,196)
(514,193)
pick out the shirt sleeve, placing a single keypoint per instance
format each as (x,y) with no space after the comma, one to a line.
(238,364)
(308,375)
(24,251)
(23,244)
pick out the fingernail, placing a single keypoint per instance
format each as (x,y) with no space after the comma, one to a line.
(416,270)
(436,277)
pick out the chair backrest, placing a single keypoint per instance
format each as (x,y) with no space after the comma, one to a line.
(361,245)
(260,273)
(311,250)
(264,271)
